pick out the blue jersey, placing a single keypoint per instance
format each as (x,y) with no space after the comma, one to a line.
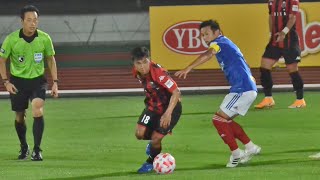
(233,64)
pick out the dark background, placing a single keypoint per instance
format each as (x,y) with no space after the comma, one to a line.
(12,7)
(95,67)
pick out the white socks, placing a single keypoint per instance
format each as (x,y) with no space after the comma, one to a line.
(236,153)
(249,145)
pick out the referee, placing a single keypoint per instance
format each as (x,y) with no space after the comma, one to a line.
(28,49)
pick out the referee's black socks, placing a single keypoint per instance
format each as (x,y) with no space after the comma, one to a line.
(21,129)
(38,127)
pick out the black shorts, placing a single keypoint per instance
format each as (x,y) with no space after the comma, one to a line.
(151,120)
(28,89)
(291,55)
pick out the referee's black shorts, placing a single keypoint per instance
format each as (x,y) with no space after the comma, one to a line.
(28,89)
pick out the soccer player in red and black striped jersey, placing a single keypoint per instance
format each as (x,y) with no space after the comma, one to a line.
(162,104)
(284,43)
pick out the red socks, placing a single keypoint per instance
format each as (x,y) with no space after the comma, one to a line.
(239,132)
(229,130)
(225,131)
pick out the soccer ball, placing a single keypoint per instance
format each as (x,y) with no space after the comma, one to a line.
(164,163)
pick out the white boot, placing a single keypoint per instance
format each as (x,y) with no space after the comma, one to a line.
(315,156)
(249,153)
(234,160)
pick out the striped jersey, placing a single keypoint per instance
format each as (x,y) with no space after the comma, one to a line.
(279,10)
(158,87)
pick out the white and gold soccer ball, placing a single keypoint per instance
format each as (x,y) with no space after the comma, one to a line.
(164,163)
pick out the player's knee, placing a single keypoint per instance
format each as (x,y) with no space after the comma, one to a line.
(296,80)
(266,78)
(37,112)
(139,135)
(37,103)
(156,139)
(292,67)
(222,114)
(156,143)
(20,116)
(140,132)
(267,63)
(37,107)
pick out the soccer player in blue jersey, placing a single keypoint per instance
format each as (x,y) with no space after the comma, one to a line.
(242,93)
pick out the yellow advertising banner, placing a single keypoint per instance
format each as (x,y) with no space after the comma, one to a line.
(175,36)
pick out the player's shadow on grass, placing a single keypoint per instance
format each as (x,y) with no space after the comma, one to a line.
(135,116)
(276,162)
(131,173)
(115,174)
(293,151)
(206,167)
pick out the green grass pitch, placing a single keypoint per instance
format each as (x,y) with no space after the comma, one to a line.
(93,138)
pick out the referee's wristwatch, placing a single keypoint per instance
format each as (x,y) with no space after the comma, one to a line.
(56,81)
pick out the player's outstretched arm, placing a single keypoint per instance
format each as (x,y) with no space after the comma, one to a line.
(52,65)
(200,60)
(166,117)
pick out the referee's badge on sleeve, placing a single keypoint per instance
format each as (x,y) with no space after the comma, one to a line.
(21,59)
(38,57)
(2,51)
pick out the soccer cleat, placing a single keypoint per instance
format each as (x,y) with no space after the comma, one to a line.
(234,161)
(36,155)
(145,168)
(267,102)
(24,152)
(148,149)
(249,153)
(299,103)
(315,156)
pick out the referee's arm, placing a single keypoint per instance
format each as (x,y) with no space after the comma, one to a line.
(52,65)
(3,70)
